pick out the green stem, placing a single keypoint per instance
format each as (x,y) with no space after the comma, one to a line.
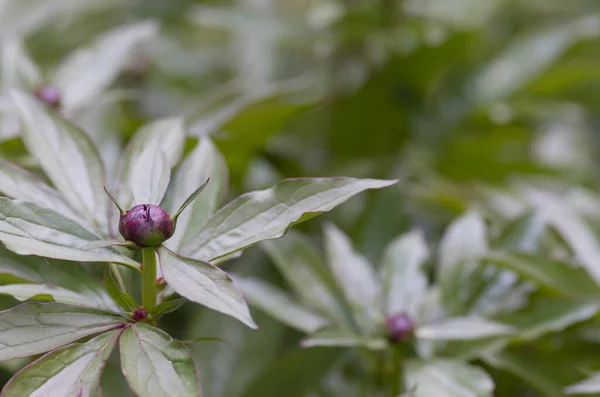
(149,278)
(118,277)
(397,381)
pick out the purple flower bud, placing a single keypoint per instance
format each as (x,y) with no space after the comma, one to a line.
(399,327)
(49,95)
(146,225)
(139,314)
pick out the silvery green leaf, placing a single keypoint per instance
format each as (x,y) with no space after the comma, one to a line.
(402,276)
(33,328)
(578,235)
(71,371)
(18,183)
(267,214)
(279,305)
(355,275)
(447,378)
(528,56)
(89,71)
(204,283)
(28,229)
(18,269)
(591,385)
(168,134)
(67,156)
(463,328)
(302,266)
(150,175)
(17,68)
(44,292)
(462,244)
(155,365)
(335,336)
(202,163)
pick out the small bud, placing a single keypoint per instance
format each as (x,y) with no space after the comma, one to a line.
(399,327)
(146,225)
(49,95)
(139,314)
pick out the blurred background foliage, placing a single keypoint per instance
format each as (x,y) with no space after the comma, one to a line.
(486,104)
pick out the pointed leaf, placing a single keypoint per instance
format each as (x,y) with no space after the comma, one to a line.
(24,292)
(267,214)
(72,371)
(302,266)
(18,69)
(463,242)
(204,283)
(556,276)
(167,307)
(591,385)
(336,336)
(150,175)
(18,183)
(354,274)
(447,378)
(89,71)
(62,276)
(156,365)
(578,234)
(27,229)
(168,134)
(403,279)
(33,328)
(464,328)
(123,299)
(67,156)
(202,163)
(279,305)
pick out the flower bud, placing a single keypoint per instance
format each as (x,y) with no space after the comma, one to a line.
(399,327)
(147,225)
(49,95)
(139,314)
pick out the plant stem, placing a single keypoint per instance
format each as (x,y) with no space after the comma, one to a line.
(397,380)
(118,277)
(149,278)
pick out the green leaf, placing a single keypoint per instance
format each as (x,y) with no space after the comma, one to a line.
(279,305)
(591,385)
(302,266)
(335,336)
(20,184)
(578,235)
(167,307)
(72,371)
(24,292)
(33,328)
(295,373)
(67,156)
(168,134)
(156,365)
(463,242)
(523,234)
(123,299)
(447,378)
(544,373)
(527,57)
(204,283)
(89,71)
(401,273)
(63,276)
(27,229)
(549,316)
(267,214)
(464,328)
(556,276)
(355,275)
(202,163)
(18,69)
(150,175)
